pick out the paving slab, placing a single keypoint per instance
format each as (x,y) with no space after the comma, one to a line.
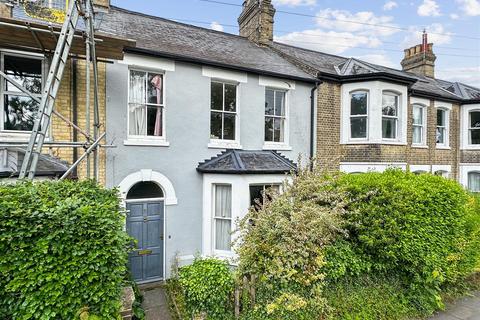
(155,302)
(467,308)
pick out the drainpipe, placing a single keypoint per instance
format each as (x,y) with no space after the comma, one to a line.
(313,130)
(74,109)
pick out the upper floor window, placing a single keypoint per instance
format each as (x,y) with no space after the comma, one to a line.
(390,104)
(275,115)
(223,111)
(474,181)
(146,104)
(418,130)
(474,127)
(19,110)
(358,114)
(222,214)
(442,127)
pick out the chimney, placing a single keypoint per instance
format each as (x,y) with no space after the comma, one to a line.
(256,21)
(420,59)
(102,3)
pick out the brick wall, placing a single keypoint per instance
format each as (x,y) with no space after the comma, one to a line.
(60,131)
(330,152)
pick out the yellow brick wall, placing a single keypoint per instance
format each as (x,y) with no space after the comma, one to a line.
(61,131)
(330,152)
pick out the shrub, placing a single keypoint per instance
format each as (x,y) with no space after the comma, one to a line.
(420,227)
(283,244)
(63,250)
(208,287)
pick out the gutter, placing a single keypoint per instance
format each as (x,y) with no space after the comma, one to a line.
(313,130)
(429,95)
(214,64)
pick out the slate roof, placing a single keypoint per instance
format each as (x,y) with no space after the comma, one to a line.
(247,161)
(179,40)
(47,166)
(337,67)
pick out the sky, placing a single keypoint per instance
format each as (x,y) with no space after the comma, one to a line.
(375,30)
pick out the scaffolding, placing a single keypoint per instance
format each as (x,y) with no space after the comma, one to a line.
(75,9)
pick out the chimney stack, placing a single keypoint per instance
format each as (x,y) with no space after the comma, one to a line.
(5,10)
(420,59)
(256,21)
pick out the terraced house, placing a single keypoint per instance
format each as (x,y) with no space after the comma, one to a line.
(203,122)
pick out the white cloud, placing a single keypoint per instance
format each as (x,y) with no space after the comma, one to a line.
(429,8)
(295,3)
(454,16)
(467,75)
(389,5)
(380,58)
(328,41)
(436,35)
(216,26)
(470,7)
(364,22)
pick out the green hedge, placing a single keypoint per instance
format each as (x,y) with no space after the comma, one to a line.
(62,250)
(208,287)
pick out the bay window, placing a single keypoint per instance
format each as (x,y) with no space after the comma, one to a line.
(259,194)
(474,127)
(222,214)
(358,114)
(390,104)
(474,181)
(275,115)
(418,129)
(19,110)
(146,104)
(442,127)
(223,111)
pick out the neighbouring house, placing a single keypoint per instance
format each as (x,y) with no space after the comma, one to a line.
(29,32)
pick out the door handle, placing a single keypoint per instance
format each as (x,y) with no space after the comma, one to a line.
(161,237)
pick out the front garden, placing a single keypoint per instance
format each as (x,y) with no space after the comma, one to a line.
(390,245)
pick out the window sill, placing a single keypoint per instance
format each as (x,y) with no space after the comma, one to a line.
(276,146)
(443,147)
(419,146)
(471,147)
(353,142)
(146,142)
(219,144)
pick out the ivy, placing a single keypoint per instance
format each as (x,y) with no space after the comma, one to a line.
(63,250)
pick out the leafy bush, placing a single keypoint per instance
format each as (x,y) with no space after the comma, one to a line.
(423,228)
(63,250)
(208,286)
(283,246)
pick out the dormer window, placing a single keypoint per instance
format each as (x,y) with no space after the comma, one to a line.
(358,114)
(390,104)
(474,127)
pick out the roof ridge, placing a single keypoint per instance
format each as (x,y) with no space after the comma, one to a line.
(310,50)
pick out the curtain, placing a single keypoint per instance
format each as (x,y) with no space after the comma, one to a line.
(138,117)
(474,181)
(157,84)
(223,215)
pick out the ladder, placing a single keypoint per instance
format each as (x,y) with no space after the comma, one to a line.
(54,77)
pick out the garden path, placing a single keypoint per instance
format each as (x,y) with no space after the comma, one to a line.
(155,303)
(467,308)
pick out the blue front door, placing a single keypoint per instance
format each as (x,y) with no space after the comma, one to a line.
(145,222)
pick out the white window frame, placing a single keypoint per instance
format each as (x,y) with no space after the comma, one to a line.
(471,129)
(17,134)
(447,108)
(396,118)
(423,125)
(375,93)
(468,179)
(285,144)
(264,185)
(145,140)
(215,218)
(465,125)
(366,116)
(225,143)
